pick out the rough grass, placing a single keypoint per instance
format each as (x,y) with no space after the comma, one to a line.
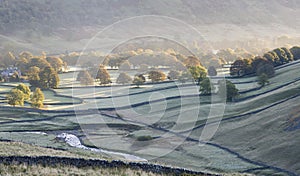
(33,170)
(23,149)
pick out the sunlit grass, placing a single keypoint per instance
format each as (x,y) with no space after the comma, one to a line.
(23,149)
(31,170)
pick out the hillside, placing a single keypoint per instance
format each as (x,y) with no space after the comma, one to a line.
(142,113)
(47,16)
(56,26)
(270,136)
(17,14)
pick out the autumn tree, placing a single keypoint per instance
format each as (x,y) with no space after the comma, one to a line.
(139,80)
(237,68)
(228,89)
(25,90)
(198,73)
(248,66)
(282,55)
(265,68)
(56,63)
(22,64)
(48,78)
(103,75)
(206,87)
(263,79)
(270,57)
(288,54)
(276,60)
(15,97)
(37,98)
(124,78)
(25,54)
(241,67)
(33,76)
(85,78)
(192,61)
(257,62)
(38,62)
(156,76)
(295,52)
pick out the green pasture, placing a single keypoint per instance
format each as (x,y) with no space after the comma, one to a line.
(122,133)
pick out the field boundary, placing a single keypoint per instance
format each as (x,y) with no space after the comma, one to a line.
(80,163)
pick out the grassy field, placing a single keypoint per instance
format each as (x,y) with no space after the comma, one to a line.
(165,122)
(23,149)
(69,170)
(249,135)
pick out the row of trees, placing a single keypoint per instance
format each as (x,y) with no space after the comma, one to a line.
(265,64)
(22,93)
(102,76)
(25,60)
(195,71)
(40,71)
(44,78)
(124,60)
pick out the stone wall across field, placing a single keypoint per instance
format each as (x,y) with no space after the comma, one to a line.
(63,161)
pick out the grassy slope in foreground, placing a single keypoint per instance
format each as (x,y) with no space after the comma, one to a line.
(22,149)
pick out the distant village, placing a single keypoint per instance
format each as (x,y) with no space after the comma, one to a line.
(10,74)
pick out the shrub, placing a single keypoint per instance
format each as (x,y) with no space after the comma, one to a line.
(156,76)
(144,138)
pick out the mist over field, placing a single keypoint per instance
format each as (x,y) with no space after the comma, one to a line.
(44,23)
(149,87)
